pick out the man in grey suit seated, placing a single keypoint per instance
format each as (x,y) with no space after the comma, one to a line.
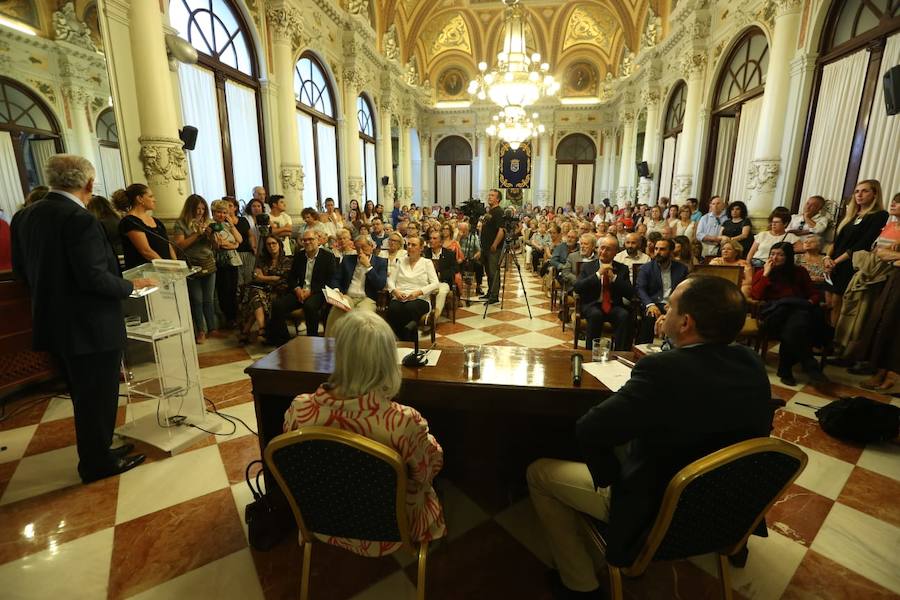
(587,245)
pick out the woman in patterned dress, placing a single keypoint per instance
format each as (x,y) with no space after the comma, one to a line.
(357,398)
(269,282)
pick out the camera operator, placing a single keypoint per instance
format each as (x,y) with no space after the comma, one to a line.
(492,235)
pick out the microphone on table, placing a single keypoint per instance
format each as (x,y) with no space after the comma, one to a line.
(577,359)
(415,358)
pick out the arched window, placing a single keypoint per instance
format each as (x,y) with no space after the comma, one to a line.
(109,170)
(453,171)
(576,159)
(316,127)
(735,118)
(366,122)
(220,97)
(852,139)
(29,135)
(671,134)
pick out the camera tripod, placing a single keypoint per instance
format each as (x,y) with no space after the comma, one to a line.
(503,265)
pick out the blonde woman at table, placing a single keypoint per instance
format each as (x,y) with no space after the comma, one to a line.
(357,398)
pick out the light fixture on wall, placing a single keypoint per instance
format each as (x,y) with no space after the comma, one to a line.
(519,79)
(514,126)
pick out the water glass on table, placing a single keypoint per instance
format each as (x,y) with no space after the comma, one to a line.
(472,356)
(600,349)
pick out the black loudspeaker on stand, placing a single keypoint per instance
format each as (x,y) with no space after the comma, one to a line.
(892,90)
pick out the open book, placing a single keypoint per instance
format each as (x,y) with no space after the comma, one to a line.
(336,298)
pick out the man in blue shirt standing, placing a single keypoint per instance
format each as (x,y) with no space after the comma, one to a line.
(709,227)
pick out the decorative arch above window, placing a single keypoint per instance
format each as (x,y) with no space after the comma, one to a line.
(576,148)
(21,109)
(675,110)
(364,118)
(745,70)
(106,127)
(312,88)
(453,149)
(850,20)
(214,28)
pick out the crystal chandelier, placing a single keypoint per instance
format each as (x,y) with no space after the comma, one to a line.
(514,127)
(519,79)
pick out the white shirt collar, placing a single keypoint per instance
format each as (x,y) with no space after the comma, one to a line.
(71,197)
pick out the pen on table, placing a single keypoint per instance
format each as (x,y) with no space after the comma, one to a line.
(625,362)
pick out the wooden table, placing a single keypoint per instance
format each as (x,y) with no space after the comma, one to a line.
(492,422)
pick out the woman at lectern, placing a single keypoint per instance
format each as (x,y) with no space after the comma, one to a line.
(357,398)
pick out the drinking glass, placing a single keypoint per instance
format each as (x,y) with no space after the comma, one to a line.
(600,350)
(472,356)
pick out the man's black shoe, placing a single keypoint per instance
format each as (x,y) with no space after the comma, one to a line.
(788,380)
(118,466)
(122,451)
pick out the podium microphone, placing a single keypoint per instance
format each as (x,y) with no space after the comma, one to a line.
(577,359)
(415,358)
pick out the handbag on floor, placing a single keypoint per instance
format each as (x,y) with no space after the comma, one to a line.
(263,529)
(860,419)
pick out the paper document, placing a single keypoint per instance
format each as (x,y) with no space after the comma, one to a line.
(612,373)
(336,298)
(433,356)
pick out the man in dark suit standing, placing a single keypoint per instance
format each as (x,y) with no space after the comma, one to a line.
(62,254)
(311,272)
(359,277)
(634,441)
(604,286)
(656,281)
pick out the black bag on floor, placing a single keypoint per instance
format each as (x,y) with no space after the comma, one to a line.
(263,529)
(860,419)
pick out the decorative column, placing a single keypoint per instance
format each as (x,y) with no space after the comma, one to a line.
(650,99)
(610,139)
(386,156)
(284,21)
(693,66)
(353,79)
(762,176)
(405,170)
(484,180)
(162,153)
(544,194)
(427,165)
(78,100)
(627,169)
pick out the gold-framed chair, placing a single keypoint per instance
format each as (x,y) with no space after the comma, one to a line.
(733,273)
(339,483)
(567,298)
(712,505)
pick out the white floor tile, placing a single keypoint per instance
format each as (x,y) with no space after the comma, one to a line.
(868,546)
(74,570)
(535,340)
(473,337)
(521,522)
(14,442)
(824,474)
(242,497)
(60,408)
(477,322)
(393,587)
(534,324)
(162,484)
(805,411)
(535,311)
(43,473)
(232,577)
(882,458)
(246,412)
(224,373)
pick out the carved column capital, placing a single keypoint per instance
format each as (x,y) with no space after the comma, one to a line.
(692,64)
(681,188)
(762,175)
(355,186)
(164,161)
(786,7)
(284,22)
(649,96)
(77,95)
(291,177)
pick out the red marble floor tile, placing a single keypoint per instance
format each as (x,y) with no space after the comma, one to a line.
(485,562)
(23,412)
(873,494)
(449,328)
(52,435)
(807,432)
(6,472)
(818,578)
(834,390)
(229,394)
(504,343)
(799,514)
(335,574)
(237,454)
(505,315)
(446,343)
(550,318)
(221,357)
(160,546)
(558,333)
(35,524)
(462,313)
(504,330)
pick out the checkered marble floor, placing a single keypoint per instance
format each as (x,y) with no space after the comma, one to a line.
(174,528)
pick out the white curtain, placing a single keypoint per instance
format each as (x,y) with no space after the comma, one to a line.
(723,155)
(200,109)
(463,183)
(328,169)
(883,134)
(111,161)
(415,152)
(444,185)
(584,177)
(668,167)
(563,195)
(832,134)
(10,184)
(743,151)
(41,151)
(243,126)
(307,159)
(371,175)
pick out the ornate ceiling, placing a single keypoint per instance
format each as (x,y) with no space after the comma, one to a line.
(583,40)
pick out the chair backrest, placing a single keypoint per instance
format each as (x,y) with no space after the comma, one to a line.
(732,273)
(716,502)
(341,484)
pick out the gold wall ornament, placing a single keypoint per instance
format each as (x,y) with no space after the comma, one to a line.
(284,21)
(164,161)
(590,25)
(448,34)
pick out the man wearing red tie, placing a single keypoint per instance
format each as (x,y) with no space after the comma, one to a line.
(604,286)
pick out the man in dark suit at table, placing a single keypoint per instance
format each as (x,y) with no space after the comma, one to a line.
(634,441)
(359,277)
(604,285)
(656,280)
(311,272)
(60,251)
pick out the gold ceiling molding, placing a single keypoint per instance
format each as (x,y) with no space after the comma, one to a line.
(593,25)
(450,33)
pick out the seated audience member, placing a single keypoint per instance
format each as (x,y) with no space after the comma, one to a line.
(587,244)
(626,219)
(731,257)
(226,240)
(694,205)
(652,238)
(709,227)
(357,398)
(449,242)
(813,219)
(310,220)
(737,226)
(343,243)
(604,285)
(411,283)
(103,209)
(684,225)
(394,251)
(269,282)
(144,237)
(561,252)
(764,240)
(331,219)
(632,254)
(555,240)
(656,222)
(792,314)
(360,277)
(445,266)
(634,442)
(311,272)
(280,223)
(470,245)
(541,246)
(37,193)
(655,283)
(684,251)
(812,259)
(378,234)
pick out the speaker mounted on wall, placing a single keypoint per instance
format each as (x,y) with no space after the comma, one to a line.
(188,136)
(892,90)
(643,169)
(385,180)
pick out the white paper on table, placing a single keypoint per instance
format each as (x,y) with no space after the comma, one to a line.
(611,373)
(433,356)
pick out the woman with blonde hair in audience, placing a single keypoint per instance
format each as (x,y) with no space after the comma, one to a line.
(358,398)
(813,261)
(731,257)
(144,237)
(192,234)
(684,226)
(394,251)
(269,282)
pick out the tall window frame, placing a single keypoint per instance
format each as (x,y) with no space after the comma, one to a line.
(316,100)
(231,58)
(575,149)
(109,158)
(672,126)
(453,152)
(365,120)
